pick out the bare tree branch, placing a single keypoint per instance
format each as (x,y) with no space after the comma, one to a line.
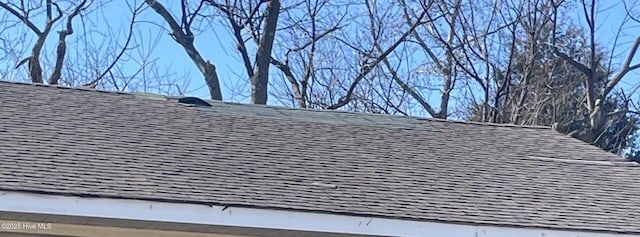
(298,94)
(626,67)
(344,100)
(62,44)
(24,18)
(207,69)
(125,47)
(35,70)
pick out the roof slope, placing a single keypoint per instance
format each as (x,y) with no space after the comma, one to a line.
(78,142)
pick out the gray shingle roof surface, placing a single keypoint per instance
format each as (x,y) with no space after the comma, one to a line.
(79,142)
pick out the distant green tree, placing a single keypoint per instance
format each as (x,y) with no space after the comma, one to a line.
(544,89)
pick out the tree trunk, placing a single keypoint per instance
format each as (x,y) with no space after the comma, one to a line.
(260,79)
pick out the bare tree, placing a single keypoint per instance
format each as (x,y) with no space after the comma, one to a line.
(82,56)
(445,37)
(537,85)
(250,16)
(319,57)
(22,12)
(260,79)
(299,49)
(183,35)
(596,95)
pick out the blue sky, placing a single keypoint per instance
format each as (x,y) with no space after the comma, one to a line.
(215,44)
(219,48)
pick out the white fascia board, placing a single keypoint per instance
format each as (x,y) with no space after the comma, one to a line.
(259,218)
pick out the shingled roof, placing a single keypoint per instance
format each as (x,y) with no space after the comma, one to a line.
(105,144)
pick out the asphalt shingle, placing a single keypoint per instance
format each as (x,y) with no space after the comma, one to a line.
(81,142)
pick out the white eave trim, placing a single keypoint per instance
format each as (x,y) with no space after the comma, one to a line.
(258,218)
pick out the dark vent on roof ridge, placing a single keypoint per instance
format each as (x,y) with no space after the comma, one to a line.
(194,101)
(625,163)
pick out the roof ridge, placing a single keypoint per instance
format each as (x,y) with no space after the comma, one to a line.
(395,116)
(490,124)
(612,162)
(80,88)
(418,118)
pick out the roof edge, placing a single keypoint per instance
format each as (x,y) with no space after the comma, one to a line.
(255,216)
